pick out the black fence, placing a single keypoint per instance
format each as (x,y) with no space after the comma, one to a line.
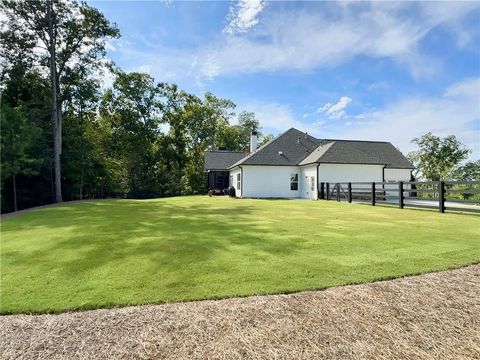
(441,195)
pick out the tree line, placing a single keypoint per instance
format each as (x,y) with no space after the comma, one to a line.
(65,137)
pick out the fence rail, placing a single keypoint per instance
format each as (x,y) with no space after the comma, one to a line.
(448,195)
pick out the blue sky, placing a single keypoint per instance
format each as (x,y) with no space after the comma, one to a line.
(355,70)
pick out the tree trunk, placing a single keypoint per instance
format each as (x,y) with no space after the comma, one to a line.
(15,207)
(57,145)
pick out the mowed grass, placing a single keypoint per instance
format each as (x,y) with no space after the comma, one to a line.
(118,252)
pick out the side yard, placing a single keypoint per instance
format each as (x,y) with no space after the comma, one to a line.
(123,252)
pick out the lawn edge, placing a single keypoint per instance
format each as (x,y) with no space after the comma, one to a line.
(236,296)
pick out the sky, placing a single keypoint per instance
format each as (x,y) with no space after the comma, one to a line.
(387,71)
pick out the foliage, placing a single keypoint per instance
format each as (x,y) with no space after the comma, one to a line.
(266,139)
(470,171)
(17,138)
(106,253)
(437,157)
(65,37)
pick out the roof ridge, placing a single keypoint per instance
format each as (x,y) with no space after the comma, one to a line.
(364,141)
(224,151)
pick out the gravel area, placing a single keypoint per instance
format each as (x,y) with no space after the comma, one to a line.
(432,316)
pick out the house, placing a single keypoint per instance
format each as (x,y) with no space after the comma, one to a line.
(294,164)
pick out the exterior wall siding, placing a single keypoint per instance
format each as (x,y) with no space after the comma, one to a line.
(233,175)
(350,173)
(309,173)
(274,181)
(270,181)
(397,174)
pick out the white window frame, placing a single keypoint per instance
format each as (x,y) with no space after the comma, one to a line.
(239,181)
(294,180)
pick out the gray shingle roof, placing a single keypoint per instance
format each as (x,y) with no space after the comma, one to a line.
(359,152)
(293,144)
(222,159)
(294,147)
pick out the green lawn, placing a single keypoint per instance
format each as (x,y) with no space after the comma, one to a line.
(118,252)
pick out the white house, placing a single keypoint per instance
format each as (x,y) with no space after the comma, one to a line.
(294,164)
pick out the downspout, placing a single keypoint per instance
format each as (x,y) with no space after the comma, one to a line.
(241,182)
(318,180)
(383,179)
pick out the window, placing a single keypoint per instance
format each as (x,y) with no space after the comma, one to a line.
(231,181)
(238,181)
(312,183)
(294,182)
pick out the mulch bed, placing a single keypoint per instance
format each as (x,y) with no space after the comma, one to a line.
(432,316)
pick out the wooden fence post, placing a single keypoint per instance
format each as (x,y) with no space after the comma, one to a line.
(322,191)
(338,192)
(328,191)
(441,196)
(373,194)
(400,194)
(349,192)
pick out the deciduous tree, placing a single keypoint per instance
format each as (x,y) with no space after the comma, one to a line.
(437,156)
(62,36)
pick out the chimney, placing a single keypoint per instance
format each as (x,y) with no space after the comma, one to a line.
(253,141)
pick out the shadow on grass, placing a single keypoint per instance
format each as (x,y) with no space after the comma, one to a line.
(163,233)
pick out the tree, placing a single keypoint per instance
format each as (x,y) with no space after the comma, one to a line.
(266,139)
(83,164)
(470,171)
(66,37)
(16,141)
(133,109)
(174,144)
(437,156)
(205,121)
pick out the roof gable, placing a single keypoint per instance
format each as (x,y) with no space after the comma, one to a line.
(287,149)
(359,152)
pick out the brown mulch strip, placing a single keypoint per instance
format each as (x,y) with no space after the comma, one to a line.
(432,316)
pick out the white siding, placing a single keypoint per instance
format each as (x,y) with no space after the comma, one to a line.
(397,174)
(274,181)
(350,173)
(269,181)
(234,172)
(307,173)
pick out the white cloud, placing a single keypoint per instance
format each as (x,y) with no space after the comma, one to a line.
(466,88)
(300,40)
(455,112)
(276,118)
(243,15)
(336,111)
